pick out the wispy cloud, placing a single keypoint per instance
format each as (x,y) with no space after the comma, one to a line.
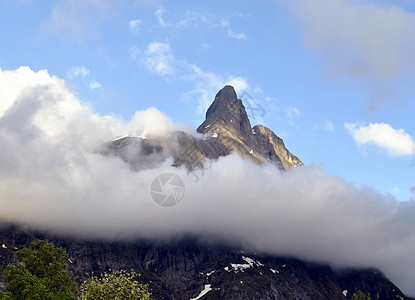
(77,71)
(206,85)
(159,59)
(156,58)
(135,26)
(202,19)
(93,85)
(396,142)
(371,42)
(79,18)
(292,112)
(238,36)
(329,126)
(160,17)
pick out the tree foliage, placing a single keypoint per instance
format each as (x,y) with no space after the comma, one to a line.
(118,285)
(40,273)
(361,296)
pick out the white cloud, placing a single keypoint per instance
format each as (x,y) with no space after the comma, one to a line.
(207,85)
(329,126)
(159,15)
(135,26)
(238,36)
(49,173)
(396,142)
(202,18)
(93,85)
(239,83)
(365,40)
(157,58)
(77,71)
(292,112)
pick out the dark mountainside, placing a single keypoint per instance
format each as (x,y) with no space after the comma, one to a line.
(184,267)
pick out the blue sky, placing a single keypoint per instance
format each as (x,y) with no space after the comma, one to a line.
(335,78)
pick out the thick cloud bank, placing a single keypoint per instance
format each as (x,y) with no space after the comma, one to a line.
(51,178)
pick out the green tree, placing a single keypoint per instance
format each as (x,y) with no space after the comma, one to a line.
(40,274)
(361,296)
(118,285)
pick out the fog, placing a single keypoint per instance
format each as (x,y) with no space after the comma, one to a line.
(52,178)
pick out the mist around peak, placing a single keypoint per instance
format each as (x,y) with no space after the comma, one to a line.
(52,178)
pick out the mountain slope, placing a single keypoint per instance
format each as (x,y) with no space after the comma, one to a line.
(183,268)
(227,119)
(226,129)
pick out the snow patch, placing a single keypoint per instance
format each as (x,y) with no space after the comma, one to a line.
(4,246)
(207,126)
(210,135)
(241,267)
(210,273)
(345,293)
(70,260)
(204,292)
(274,271)
(141,137)
(251,261)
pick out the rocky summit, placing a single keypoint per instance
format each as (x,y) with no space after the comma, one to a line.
(226,129)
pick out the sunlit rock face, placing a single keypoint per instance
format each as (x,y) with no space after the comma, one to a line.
(226,129)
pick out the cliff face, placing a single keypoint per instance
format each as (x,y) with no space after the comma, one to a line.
(226,129)
(182,269)
(227,120)
(273,148)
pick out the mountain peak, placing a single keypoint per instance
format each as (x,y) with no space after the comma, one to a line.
(225,99)
(227,129)
(227,121)
(227,112)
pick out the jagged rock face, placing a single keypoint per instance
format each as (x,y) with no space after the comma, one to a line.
(227,119)
(226,129)
(227,112)
(182,269)
(270,144)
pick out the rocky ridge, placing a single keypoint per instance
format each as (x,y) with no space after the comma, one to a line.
(226,129)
